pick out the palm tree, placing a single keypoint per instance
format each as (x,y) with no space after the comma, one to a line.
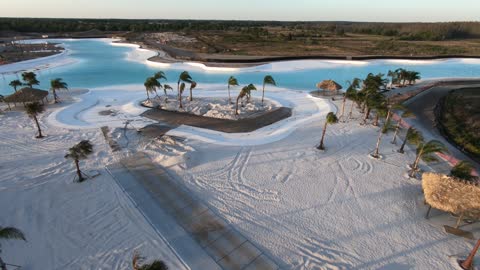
(137,263)
(9,233)
(330,119)
(350,94)
(160,76)
(412,77)
(78,152)
(30,79)
(151,85)
(387,126)
(193,84)
(401,76)
(413,136)
(425,152)
(183,77)
(33,110)
(180,92)
(165,88)
(382,109)
(57,84)
(372,100)
(267,80)
(463,170)
(15,84)
(393,75)
(405,114)
(370,95)
(245,92)
(232,81)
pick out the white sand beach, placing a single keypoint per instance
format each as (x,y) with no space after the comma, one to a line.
(306,209)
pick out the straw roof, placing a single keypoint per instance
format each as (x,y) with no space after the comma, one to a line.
(451,195)
(26,95)
(329,85)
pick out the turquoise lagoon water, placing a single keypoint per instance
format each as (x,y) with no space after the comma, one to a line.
(100,64)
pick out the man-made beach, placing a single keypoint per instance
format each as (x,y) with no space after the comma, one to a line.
(300,207)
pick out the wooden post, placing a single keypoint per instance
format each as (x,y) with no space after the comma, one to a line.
(459,220)
(468,263)
(427,216)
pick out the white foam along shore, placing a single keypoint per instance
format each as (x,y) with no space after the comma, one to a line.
(84,113)
(142,55)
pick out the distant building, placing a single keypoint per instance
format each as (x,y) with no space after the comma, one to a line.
(44,36)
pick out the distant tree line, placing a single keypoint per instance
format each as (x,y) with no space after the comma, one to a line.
(404,31)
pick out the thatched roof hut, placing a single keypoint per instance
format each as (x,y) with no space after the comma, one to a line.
(451,195)
(26,95)
(329,85)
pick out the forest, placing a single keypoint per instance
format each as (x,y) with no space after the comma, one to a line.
(402,31)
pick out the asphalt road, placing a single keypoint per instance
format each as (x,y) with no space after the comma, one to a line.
(423,106)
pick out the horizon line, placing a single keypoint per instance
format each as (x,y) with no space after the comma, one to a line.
(239,20)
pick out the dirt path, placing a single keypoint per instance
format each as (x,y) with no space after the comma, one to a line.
(175,119)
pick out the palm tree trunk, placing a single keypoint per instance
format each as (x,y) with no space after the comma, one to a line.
(377,148)
(148,95)
(236,108)
(321,146)
(38,127)
(263,93)
(79,173)
(229,97)
(191,95)
(180,100)
(401,150)
(363,107)
(343,106)
(415,164)
(397,129)
(377,117)
(367,115)
(351,110)
(55,95)
(178,89)
(3,266)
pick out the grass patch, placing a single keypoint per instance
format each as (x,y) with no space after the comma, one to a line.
(460,119)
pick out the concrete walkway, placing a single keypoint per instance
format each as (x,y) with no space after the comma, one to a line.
(201,238)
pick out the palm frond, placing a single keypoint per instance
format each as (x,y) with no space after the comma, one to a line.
(160,75)
(435,146)
(80,150)
(331,118)
(269,80)
(232,81)
(34,108)
(463,170)
(11,233)
(185,77)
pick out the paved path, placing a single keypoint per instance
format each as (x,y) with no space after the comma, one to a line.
(175,119)
(201,238)
(423,106)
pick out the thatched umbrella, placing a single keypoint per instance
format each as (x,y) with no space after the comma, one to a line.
(329,85)
(26,95)
(452,195)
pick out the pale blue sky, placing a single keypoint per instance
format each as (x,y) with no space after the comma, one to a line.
(307,10)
